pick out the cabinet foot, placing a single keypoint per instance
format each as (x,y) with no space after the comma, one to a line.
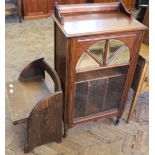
(65,133)
(117,121)
(27,148)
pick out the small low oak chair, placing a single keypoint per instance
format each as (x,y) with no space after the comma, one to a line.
(31,102)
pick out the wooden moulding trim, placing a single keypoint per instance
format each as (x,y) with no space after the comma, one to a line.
(103,67)
(81,8)
(96,117)
(91,38)
(99,77)
(99,74)
(106,52)
(35,17)
(61,10)
(93,57)
(124,10)
(110,32)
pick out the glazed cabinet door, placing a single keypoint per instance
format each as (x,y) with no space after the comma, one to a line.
(35,8)
(102,69)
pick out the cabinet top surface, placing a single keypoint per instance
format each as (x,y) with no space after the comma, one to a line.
(98,23)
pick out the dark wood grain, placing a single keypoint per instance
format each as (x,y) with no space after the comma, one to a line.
(31,102)
(76,14)
(23,96)
(114,21)
(106,114)
(100,73)
(38,68)
(85,42)
(53,74)
(32,70)
(146,22)
(45,122)
(61,63)
(81,31)
(138,72)
(86,8)
(35,9)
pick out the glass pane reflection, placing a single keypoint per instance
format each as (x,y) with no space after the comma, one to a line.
(114,45)
(122,57)
(85,62)
(97,51)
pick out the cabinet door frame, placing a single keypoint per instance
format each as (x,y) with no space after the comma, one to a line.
(133,39)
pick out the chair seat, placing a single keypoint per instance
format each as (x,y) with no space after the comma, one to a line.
(23,96)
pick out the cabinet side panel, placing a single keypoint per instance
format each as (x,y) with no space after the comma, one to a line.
(60,54)
(61,49)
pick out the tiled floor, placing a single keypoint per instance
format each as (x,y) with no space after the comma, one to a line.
(34,39)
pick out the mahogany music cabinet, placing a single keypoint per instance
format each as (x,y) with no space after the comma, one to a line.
(96,51)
